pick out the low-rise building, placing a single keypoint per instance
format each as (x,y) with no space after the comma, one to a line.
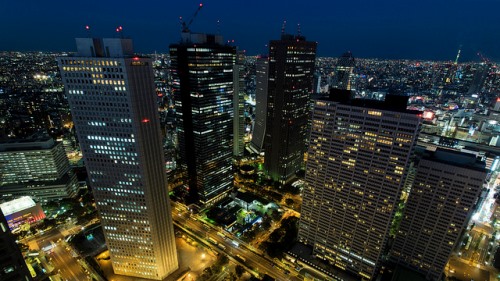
(22,211)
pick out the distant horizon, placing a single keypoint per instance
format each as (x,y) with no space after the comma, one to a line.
(460,61)
(421,30)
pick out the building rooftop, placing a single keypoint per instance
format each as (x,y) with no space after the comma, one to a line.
(456,158)
(17,205)
(392,102)
(249,198)
(34,142)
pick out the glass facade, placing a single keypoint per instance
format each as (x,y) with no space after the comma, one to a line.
(291,70)
(203,90)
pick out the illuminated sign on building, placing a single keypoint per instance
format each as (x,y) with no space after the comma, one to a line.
(428,115)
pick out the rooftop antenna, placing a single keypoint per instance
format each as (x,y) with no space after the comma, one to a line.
(218,27)
(87,28)
(283,26)
(298,30)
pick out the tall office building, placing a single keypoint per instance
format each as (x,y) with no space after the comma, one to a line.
(12,265)
(111,94)
(202,71)
(343,78)
(239,104)
(36,167)
(291,70)
(261,80)
(358,160)
(443,197)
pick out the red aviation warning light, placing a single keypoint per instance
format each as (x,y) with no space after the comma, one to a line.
(145,120)
(87,27)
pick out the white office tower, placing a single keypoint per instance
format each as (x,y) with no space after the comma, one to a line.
(358,160)
(443,197)
(112,98)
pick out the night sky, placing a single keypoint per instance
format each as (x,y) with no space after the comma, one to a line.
(420,29)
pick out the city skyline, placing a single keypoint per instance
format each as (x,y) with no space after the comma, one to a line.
(204,161)
(431,31)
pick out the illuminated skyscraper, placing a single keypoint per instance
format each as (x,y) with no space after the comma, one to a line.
(443,197)
(343,78)
(239,104)
(358,160)
(202,71)
(291,70)
(111,93)
(261,80)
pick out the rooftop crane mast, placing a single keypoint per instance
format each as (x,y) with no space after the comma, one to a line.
(185,26)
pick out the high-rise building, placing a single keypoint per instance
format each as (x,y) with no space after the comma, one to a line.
(443,197)
(261,80)
(202,71)
(38,167)
(291,70)
(111,94)
(239,104)
(343,78)
(12,264)
(358,159)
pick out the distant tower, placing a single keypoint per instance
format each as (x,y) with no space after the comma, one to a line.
(202,72)
(291,70)
(458,55)
(261,79)
(357,163)
(443,197)
(239,104)
(111,93)
(343,78)
(12,264)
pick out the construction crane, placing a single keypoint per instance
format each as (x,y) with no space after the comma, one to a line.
(185,26)
(483,58)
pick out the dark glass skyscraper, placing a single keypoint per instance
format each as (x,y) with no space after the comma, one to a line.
(202,71)
(291,70)
(343,75)
(259,127)
(239,105)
